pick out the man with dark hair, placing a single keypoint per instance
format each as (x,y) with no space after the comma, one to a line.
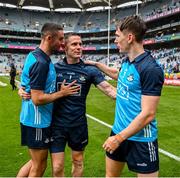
(69,123)
(133,137)
(38,79)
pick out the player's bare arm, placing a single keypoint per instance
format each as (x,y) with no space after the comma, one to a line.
(110,71)
(149,106)
(40,98)
(107,89)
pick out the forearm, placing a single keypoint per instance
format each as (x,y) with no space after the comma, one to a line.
(137,124)
(148,111)
(40,98)
(46,98)
(111,72)
(111,92)
(107,89)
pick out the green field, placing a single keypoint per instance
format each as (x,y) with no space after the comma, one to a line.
(12,155)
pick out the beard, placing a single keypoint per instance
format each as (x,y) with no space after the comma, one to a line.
(55,51)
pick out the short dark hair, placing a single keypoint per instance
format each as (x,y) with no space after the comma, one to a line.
(68,35)
(135,25)
(51,28)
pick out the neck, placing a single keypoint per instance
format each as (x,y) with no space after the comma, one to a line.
(72,60)
(135,51)
(44,48)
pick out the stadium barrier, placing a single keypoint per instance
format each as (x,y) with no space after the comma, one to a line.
(173,82)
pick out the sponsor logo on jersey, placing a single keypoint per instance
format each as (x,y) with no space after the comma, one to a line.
(71,73)
(122,90)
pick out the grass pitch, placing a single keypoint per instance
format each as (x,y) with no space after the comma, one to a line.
(12,155)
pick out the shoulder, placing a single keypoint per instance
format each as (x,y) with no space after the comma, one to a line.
(30,60)
(59,64)
(148,65)
(91,68)
(40,57)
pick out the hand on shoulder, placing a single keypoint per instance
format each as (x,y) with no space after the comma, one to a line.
(89,62)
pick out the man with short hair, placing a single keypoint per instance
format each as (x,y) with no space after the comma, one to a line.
(69,123)
(38,79)
(133,137)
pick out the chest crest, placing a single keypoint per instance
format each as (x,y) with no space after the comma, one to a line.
(82,78)
(130,77)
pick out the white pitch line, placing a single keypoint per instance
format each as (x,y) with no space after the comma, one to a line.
(19,83)
(177,158)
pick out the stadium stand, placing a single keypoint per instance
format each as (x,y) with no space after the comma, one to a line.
(19,33)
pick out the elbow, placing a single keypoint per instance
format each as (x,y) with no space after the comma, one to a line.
(115,77)
(150,117)
(37,102)
(114,97)
(152,114)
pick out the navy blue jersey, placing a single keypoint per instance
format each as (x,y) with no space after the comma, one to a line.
(143,76)
(70,111)
(38,74)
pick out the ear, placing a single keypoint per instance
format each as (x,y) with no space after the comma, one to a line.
(49,37)
(130,38)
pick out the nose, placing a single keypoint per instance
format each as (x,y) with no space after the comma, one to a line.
(79,46)
(62,45)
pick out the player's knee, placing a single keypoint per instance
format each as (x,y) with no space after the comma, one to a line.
(112,174)
(77,168)
(39,167)
(44,166)
(78,164)
(58,169)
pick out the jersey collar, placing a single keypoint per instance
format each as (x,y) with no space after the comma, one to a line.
(140,57)
(79,63)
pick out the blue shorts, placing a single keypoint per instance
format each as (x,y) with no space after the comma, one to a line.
(76,137)
(35,138)
(141,157)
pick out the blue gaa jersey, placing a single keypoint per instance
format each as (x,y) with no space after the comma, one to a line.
(143,76)
(38,74)
(70,111)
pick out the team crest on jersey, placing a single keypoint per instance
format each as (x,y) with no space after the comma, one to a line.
(82,78)
(130,78)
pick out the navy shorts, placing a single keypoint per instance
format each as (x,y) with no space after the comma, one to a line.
(141,157)
(76,137)
(35,138)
